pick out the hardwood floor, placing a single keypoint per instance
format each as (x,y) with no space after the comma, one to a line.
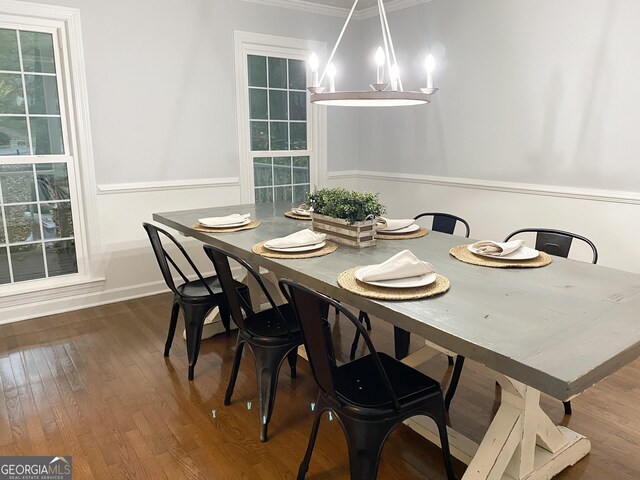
(94,384)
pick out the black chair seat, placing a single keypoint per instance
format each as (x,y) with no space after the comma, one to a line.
(268,325)
(358,382)
(195,288)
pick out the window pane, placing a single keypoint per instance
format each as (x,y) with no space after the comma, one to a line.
(13,136)
(300,169)
(61,258)
(297,75)
(264,195)
(279,136)
(42,94)
(46,136)
(282,194)
(257,104)
(282,170)
(37,52)
(300,193)
(257,71)
(259,136)
(262,172)
(17,183)
(57,221)
(4,266)
(53,181)
(297,105)
(27,262)
(23,223)
(277,72)
(299,136)
(3,239)
(11,95)
(9,59)
(277,105)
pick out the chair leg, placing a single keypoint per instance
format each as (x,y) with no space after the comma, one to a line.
(567,408)
(364,443)
(362,318)
(234,370)
(439,417)
(175,310)
(453,384)
(293,361)
(304,465)
(194,316)
(268,361)
(225,316)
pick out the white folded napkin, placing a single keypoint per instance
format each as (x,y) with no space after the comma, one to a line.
(303,209)
(298,239)
(402,265)
(222,221)
(497,249)
(391,224)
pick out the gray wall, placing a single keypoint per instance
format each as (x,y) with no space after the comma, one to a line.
(161,84)
(531,91)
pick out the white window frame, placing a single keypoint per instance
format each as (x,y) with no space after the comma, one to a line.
(248,43)
(64,25)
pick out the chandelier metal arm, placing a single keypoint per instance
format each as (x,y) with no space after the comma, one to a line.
(335,47)
(383,19)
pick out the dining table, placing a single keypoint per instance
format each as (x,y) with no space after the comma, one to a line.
(557,329)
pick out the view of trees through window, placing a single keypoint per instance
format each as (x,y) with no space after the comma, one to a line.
(36,226)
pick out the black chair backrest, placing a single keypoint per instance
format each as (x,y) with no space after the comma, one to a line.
(445,222)
(556,242)
(237,302)
(311,310)
(165,262)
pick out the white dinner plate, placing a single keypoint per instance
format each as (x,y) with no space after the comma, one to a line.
(411,228)
(204,223)
(304,248)
(523,253)
(304,213)
(409,282)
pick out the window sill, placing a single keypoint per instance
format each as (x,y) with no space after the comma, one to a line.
(27,293)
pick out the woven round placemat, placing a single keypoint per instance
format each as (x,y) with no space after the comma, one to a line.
(464,255)
(402,236)
(295,216)
(349,282)
(201,228)
(260,249)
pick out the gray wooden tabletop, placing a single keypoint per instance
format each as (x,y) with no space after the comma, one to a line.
(559,328)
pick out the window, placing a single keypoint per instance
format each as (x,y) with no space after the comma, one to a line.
(41,232)
(278,148)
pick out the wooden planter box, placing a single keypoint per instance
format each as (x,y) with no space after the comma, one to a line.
(358,234)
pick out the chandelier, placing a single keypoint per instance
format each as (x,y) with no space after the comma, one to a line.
(387,91)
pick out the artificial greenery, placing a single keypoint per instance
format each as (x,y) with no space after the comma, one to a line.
(346,204)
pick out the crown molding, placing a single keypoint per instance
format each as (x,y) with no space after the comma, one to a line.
(311,7)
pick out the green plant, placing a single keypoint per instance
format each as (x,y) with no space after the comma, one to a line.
(346,204)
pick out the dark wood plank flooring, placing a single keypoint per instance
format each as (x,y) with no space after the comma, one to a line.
(94,384)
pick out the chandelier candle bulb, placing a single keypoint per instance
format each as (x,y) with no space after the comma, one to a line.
(380,63)
(430,63)
(314,62)
(331,73)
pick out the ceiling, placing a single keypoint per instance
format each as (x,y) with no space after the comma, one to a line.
(346,3)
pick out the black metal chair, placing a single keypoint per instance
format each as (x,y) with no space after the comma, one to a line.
(195,297)
(553,242)
(370,396)
(272,335)
(443,223)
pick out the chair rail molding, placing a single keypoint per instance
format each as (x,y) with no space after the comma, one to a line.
(614,196)
(141,187)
